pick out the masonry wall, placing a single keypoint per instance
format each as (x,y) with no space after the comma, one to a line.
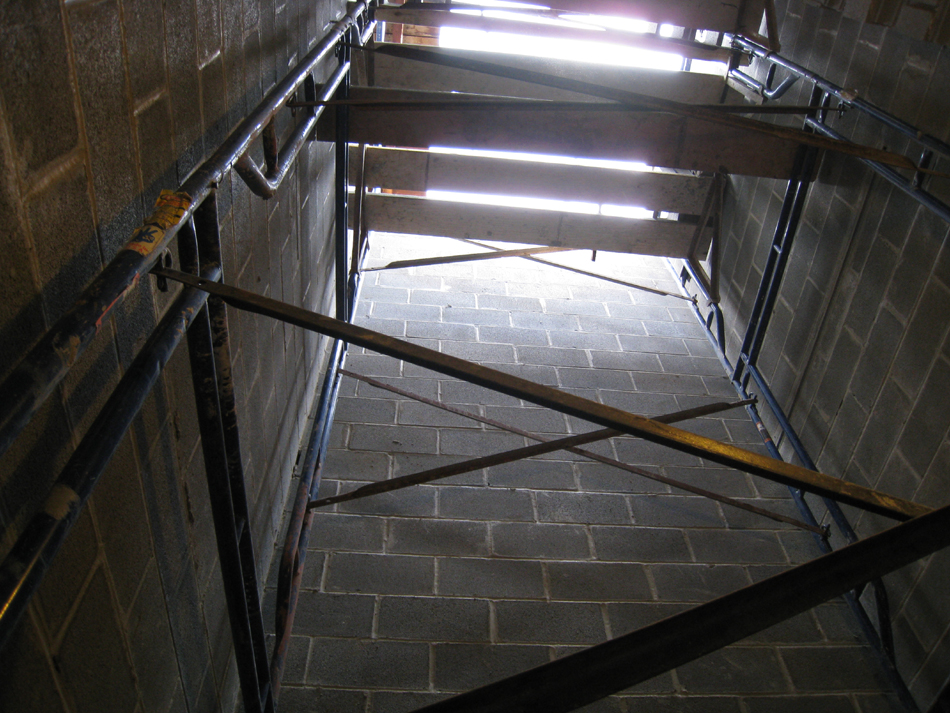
(102,105)
(857,349)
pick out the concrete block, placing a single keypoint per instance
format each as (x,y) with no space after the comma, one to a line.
(523,622)
(405,464)
(880,433)
(389,327)
(461,392)
(595,379)
(485,504)
(416,312)
(611,325)
(653,344)
(64,579)
(640,452)
(480,352)
(584,340)
(418,501)
(344,615)
(640,544)
(684,703)
(68,264)
(546,474)
(495,578)
(296,699)
(380,574)
(531,541)
(472,442)
(602,509)
(401,701)
(831,668)
(433,619)
(356,465)
(29,680)
(442,330)
(790,704)
(448,537)
(509,303)
(546,320)
(413,413)
(669,383)
(731,546)
(630,616)
(629,361)
(600,294)
(477,286)
(350,663)
(604,478)
(378,293)
(462,667)
(734,670)
(477,317)
(575,307)
(442,299)
(511,335)
(598,581)
(354,533)
(534,420)
(353,410)
(373,365)
(552,356)
(676,511)
(393,439)
(697,582)
(92,653)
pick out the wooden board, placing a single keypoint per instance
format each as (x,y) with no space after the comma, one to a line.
(691,87)
(413,170)
(655,138)
(421,216)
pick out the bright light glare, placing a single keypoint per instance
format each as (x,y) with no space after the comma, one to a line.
(545,158)
(515,201)
(598,52)
(501,4)
(624,24)
(626,211)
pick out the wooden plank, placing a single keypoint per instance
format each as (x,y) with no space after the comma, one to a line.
(411,170)
(442,18)
(687,87)
(655,138)
(421,216)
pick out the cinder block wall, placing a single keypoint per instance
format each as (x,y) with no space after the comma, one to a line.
(857,348)
(102,105)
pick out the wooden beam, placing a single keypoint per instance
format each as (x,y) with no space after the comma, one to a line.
(442,18)
(688,87)
(422,216)
(655,138)
(410,170)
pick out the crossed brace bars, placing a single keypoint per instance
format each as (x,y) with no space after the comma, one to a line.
(553,444)
(606,416)
(599,671)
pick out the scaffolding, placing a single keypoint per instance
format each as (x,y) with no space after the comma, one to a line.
(199,311)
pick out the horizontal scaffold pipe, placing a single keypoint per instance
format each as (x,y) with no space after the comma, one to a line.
(606,416)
